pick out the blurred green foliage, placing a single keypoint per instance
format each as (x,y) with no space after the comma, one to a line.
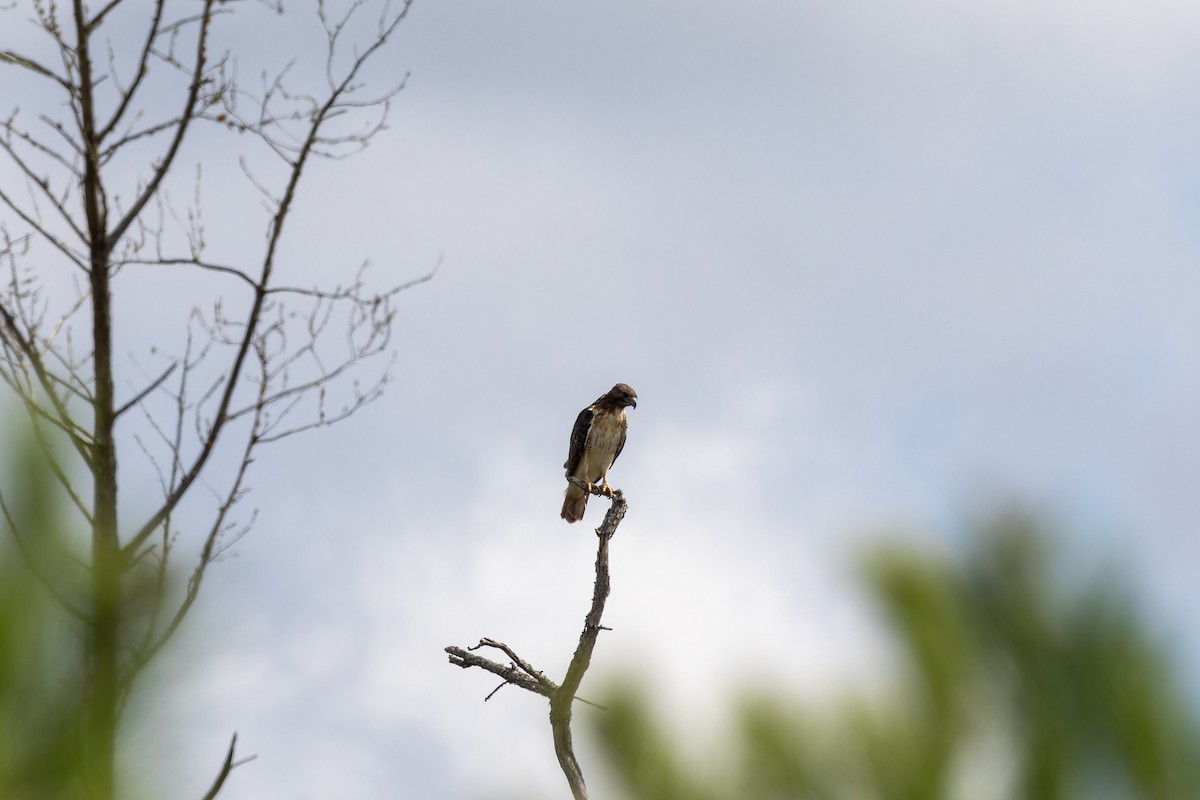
(43,709)
(45,590)
(1016,681)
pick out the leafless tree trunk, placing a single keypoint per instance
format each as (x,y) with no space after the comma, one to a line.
(121,85)
(519,672)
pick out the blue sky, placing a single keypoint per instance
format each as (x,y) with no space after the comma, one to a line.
(868,266)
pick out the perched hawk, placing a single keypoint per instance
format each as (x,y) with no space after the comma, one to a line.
(596,441)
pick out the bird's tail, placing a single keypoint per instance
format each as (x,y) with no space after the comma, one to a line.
(574,504)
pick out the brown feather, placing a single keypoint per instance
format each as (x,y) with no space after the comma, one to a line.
(574,504)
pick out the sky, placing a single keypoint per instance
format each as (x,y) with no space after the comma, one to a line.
(871,268)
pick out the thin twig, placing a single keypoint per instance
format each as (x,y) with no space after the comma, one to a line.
(536,674)
(140,396)
(227,767)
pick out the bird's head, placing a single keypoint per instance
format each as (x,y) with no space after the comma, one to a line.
(623,395)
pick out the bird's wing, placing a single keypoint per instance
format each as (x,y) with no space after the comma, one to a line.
(578,439)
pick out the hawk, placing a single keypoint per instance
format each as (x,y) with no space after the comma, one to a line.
(596,441)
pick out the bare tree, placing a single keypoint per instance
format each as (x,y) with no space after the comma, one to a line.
(122,93)
(519,672)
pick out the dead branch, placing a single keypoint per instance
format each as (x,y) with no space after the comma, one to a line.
(562,696)
(512,673)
